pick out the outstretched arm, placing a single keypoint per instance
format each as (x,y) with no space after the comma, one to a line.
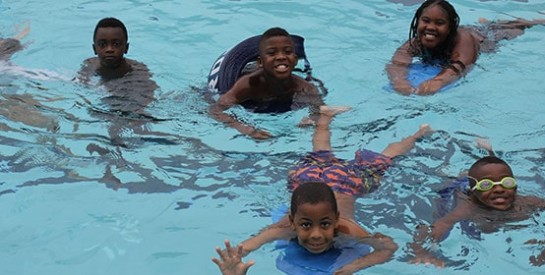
(402,147)
(383,250)
(230,262)
(398,69)
(235,95)
(280,230)
(539,259)
(434,234)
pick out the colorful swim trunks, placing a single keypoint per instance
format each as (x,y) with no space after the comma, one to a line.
(355,177)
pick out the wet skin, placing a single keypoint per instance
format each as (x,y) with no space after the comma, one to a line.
(110,44)
(278,58)
(433,27)
(315,226)
(498,197)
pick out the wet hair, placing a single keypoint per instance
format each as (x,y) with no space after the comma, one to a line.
(111,22)
(313,193)
(444,51)
(9,46)
(484,161)
(276,31)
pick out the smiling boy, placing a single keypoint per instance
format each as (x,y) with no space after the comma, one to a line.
(490,203)
(271,88)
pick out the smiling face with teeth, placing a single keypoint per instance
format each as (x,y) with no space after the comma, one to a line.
(433,27)
(277,57)
(498,197)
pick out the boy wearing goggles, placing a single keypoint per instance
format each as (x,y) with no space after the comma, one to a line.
(491,201)
(492,184)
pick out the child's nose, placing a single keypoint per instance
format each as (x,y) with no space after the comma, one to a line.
(281,56)
(498,189)
(315,233)
(110,48)
(431,26)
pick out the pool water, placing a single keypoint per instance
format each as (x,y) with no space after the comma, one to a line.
(182,182)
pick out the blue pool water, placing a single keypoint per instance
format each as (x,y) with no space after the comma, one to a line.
(161,203)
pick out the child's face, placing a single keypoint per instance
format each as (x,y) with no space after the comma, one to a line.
(433,27)
(315,226)
(498,197)
(110,45)
(277,56)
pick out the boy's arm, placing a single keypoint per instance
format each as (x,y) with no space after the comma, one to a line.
(278,231)
(536,203)
(383,250)
(435,234)
(308,96)
(230,262)
(398,69)
(234,96)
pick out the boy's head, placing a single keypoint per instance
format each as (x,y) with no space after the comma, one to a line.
(314,216)
(110,42)
(277,53)
(492,184)
(9,46)
(435,24)
(110,22)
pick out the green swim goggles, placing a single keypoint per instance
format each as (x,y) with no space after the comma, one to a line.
(487,184)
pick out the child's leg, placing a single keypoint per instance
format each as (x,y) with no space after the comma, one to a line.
(406,144)
(509,29)
(519,23)
(321,140)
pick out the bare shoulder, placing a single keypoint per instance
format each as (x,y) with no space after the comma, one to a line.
(137,65)
(404,48)
(467,37)
(301,85)
(90,63)
(238,93)
(350,227)
(465,33)
(402,56)
(463,209)
(466,47)
(88,68)
(531,201)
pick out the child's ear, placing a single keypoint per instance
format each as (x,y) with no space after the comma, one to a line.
(291,222)
(259,62)
(127,48)
(94,49)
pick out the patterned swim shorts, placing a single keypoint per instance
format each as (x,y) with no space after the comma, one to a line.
(352,177)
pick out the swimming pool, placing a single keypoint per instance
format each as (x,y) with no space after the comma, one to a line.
(160,204)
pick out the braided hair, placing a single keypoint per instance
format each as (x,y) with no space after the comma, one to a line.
(442,52)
